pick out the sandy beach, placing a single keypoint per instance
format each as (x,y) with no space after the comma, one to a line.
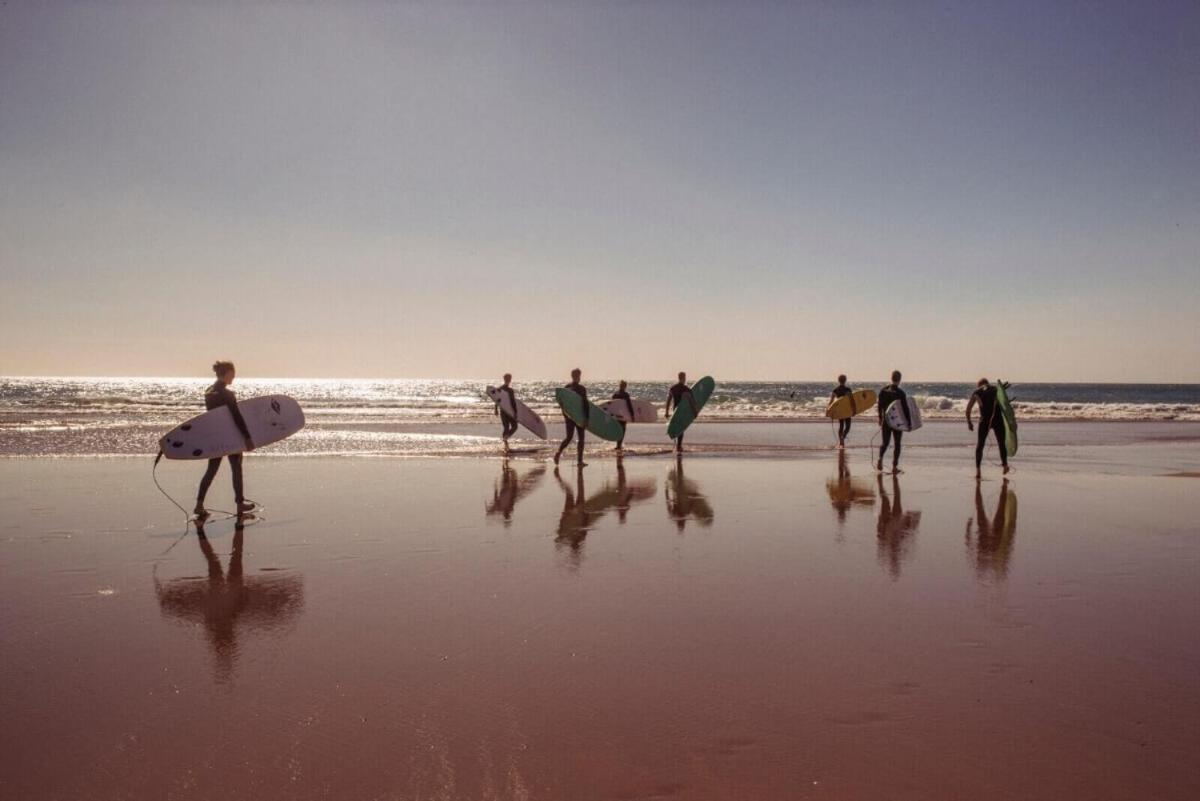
(474,628)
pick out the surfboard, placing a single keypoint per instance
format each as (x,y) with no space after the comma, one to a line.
(856,402)
(643,411)
(213,434)
(683,417)
(524,415)
(1010,418)
(600,422)
(894,416)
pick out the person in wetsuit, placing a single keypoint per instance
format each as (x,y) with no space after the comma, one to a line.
(623,394)
(508,423)
(675,396)
(840,391)
(887,395)
(216,396)
(990,420)
(572,428)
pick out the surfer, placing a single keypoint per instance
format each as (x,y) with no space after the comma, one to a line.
(216,396)
(675,396)
(887,396)
(581,391)
(990,420)
(840,391)
(623,394)
(507,422)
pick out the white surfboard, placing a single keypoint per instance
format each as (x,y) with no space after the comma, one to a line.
(213,434)
(525,416)
(894,416)
(643,411)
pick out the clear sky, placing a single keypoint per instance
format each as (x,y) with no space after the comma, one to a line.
(775,190)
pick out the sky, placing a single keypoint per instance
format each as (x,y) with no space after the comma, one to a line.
(748,190)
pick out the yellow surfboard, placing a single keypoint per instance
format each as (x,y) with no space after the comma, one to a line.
(857,402)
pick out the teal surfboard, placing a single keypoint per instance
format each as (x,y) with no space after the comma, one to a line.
(1010,418)
(702,390)
(600,422)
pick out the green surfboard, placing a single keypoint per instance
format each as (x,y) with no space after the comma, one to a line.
(702,390)
(600,422)
(1010,418)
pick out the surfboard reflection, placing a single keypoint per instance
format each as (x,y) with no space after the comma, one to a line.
(895,530)
(846,492)
(581,513)
(227,600)
(510,487)
(685,501)
(993,540)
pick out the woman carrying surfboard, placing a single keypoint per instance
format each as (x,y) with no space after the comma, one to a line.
(840,391)
(216,396)
(623,394)
(581,391)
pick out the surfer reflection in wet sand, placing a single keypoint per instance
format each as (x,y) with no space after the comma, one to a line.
(675,396)
(579,516)
(216,396)
(895,529)
(846,491)
(226,600)
(685,501)
(581,391)
(508,424)
(511,488)
(993,539)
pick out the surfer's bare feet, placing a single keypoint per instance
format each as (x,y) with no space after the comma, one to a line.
(581,465)
(556,455)
(1006,470)
(978,475)
(246,506)
(896,470)
(879,466)
(200,511)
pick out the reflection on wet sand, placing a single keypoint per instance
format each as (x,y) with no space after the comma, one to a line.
(511,487)
(846,491)
(993,540)
(226,600)
(684,500)
(895,529)
(579,516)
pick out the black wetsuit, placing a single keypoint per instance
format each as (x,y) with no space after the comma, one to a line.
(887,396)
(619,395)
(841,391)
(581,391)
(507,421)
(216,396)
(990,419)
(674,398)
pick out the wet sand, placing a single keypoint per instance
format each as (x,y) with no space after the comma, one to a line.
(463,629)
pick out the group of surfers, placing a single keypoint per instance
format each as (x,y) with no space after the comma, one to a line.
(984,396)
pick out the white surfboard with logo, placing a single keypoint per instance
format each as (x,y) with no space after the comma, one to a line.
(643,411)
(214,434)
(895,419)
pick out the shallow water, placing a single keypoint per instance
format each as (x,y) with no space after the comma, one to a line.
(736,628)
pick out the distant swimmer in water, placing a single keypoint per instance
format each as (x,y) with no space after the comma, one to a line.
(216,396)
(508,423)
(887,396)
(623,394)
(675,396)
(990,420)
(840,391)
(572,428)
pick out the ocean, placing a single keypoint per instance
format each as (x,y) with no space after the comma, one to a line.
(124,416)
